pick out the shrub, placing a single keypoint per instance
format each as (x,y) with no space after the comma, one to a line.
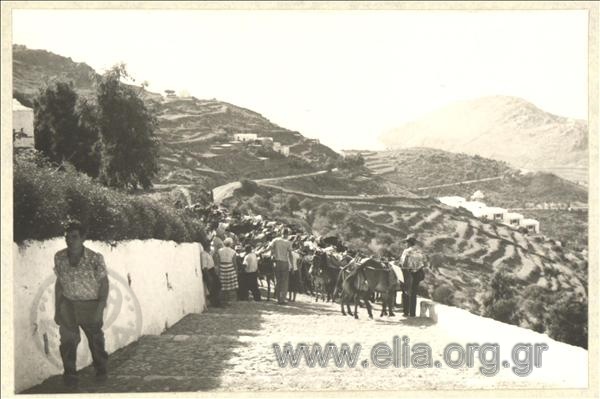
(444,295)
(249,187)
(44,198)
(504,310)
(568,321)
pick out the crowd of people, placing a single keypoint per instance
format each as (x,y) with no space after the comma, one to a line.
(230,262)
(230,259)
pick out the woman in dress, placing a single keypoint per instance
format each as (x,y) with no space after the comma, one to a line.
(227,271)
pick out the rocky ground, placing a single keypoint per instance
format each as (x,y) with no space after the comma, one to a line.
(231,349)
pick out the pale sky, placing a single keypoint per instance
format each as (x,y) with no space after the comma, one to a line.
(344,77)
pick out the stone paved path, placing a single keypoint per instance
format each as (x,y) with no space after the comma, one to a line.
(231,350)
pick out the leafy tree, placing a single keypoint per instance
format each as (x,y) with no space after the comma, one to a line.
(567,321)
(249,187)
(128,143)
(65,128)
(56,122)
(501,304)
(444,294)
(87,155)
(293,203)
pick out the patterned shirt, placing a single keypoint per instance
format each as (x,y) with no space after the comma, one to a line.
(413,259)
(81,282)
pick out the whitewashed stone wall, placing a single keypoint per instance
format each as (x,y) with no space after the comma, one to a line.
(153,284)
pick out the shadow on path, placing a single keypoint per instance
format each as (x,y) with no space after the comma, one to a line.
(192,355)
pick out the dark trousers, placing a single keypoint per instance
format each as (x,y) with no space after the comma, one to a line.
(409,295)
(75,314)
(249,282)
(282,277)
(214,286)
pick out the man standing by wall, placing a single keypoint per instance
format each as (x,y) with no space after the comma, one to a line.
(281,248)
(81,292)
(413,261)
(209,275)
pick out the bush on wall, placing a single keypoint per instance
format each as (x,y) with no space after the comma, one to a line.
(45,197)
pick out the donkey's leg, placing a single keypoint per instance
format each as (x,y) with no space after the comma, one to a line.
(369,309)
(347,301)
(391,300)
(383,309)
(268,288)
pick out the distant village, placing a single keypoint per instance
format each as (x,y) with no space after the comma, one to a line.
(23,136)
(482,211)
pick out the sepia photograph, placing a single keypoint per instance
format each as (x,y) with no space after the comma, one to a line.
(327,199)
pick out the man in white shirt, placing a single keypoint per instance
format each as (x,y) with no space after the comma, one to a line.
(281,248)
(413,262)
(250,274)
(209,275)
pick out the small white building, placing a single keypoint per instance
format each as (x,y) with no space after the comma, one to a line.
(245,136)
(267,141)
(493,213)
(22,119)
(513,219)
(532,225)
(474,207)
(477,196)
(276,146)
(452,201)
(285,150)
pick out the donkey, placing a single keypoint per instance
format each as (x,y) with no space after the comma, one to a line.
(382,279)
(266,271)
(353,288)
(324,271)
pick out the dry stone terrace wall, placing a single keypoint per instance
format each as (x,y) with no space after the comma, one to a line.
(153,284)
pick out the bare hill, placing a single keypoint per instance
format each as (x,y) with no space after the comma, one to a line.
(436,173)
(504,128)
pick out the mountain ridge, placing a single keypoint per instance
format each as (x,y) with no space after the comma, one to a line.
(504,128)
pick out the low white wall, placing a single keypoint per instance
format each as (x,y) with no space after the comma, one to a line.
(153,284)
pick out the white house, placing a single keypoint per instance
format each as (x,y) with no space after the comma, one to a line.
(452,201)
(493,213)
(532,225)
(285,150)
(276,146)
(513,219)
(245,136)
(477,196)
(474,207)
(22,124)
